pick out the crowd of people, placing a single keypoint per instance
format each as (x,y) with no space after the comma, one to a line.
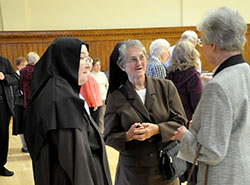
(65,109)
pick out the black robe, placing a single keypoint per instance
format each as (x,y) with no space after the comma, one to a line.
(6,106)
(64,142)
(18,119)
(10,80)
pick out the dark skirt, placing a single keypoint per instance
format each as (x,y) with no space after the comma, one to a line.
(18,120)
(95,114)
(193,179)
(127,175)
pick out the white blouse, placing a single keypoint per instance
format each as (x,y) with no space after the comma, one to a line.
(142,94)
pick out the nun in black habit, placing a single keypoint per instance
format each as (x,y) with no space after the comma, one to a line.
(64,142)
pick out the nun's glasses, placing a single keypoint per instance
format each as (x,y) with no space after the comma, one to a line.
(87,59)
(135,60)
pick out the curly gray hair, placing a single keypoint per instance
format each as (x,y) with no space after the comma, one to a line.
(189,35)
(157,47)
(122,60)
(224,27)
(32,58)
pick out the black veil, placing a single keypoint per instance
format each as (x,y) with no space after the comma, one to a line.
(54,101)
(117,77)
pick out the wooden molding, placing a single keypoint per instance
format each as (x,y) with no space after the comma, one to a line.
(102,41)
(92,34)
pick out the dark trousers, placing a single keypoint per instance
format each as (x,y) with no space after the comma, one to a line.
(95,114)
(5,115)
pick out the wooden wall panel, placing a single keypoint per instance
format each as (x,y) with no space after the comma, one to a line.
(18,43)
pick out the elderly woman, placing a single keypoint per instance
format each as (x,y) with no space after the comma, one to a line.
(221,120)
(26,76)
(64,143)
(18,122)
(141,113)
(158,55)
(192,37)
(183,73)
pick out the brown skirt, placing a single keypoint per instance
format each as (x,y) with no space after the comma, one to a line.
(127,175)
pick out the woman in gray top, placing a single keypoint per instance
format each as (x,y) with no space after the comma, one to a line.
(221,122)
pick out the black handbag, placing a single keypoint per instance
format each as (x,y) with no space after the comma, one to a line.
(171,166)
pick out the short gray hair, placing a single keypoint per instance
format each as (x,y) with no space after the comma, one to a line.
(184,56)
(224,27)
(32,58)
(189,35)
(157,47)
(122,60)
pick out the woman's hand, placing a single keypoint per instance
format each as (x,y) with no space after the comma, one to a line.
(2,76)
(134,132)
(206,76)
(150,129)
(190,125)
(179,133)
(144,131)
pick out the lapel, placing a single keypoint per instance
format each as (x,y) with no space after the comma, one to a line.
(150,93)
(136,102)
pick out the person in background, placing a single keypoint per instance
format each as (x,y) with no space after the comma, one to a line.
(65,144)
(141,113)
(102,80)
(158,55)
(90,91)
(220,124)
(191,36)
(7,78)
(26,76)
(182,72)
(18,120)
(21,62)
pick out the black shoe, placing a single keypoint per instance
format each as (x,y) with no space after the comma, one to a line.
(5,172)
(25,150)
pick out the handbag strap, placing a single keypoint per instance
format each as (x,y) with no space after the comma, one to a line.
(192,169)
(206,174)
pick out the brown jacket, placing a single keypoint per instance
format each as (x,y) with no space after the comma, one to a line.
(162,106)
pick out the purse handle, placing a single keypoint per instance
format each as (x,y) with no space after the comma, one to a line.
(192,169)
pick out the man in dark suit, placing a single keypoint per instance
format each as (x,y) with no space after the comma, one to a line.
(7,78)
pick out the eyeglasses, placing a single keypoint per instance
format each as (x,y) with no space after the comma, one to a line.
(134,60)
(87,59)
(199,42)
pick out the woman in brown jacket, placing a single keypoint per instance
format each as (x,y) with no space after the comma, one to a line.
(142,112)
